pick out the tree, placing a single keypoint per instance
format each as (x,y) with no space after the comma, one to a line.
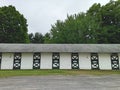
(47,38)
(108,17)
(100,24)
(110,26)
(78,28)
(31,37)
(36,38)
(13,26)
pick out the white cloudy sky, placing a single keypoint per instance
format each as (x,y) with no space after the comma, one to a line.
(40,14)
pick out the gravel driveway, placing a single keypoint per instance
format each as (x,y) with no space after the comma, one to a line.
(111,82)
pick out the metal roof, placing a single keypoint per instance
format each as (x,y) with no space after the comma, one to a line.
(92,48)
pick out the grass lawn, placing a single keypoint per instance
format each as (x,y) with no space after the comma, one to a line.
(10,73)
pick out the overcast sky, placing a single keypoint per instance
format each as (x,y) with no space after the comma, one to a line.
(40,14)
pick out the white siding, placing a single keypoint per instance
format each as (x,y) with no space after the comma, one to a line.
(84,61)
(27,61)
(65,60)
(104,61)
(46,61)
(7,61)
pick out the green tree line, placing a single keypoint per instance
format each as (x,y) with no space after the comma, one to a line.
(100,24)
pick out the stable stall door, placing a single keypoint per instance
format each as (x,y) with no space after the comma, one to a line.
(114,61)
(94,61)
(17,61)
(74,61)
(55,61)
(36,60)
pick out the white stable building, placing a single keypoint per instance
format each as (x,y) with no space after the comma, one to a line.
(60,56)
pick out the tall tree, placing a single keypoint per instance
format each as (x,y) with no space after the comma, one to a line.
(110,26)
(108,17)
(78,28)
(13,26)
(100,24)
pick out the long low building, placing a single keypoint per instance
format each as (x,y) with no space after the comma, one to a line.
(60,56)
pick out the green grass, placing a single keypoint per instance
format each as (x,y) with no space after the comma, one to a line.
(11,73)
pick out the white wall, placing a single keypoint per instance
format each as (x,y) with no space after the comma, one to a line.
(7,60)
(46,61)
(84,61)
(104,61)
(65,60)
(27,61)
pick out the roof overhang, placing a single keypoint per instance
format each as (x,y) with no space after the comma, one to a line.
(92,48)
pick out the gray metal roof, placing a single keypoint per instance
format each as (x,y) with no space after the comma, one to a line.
(92,48)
